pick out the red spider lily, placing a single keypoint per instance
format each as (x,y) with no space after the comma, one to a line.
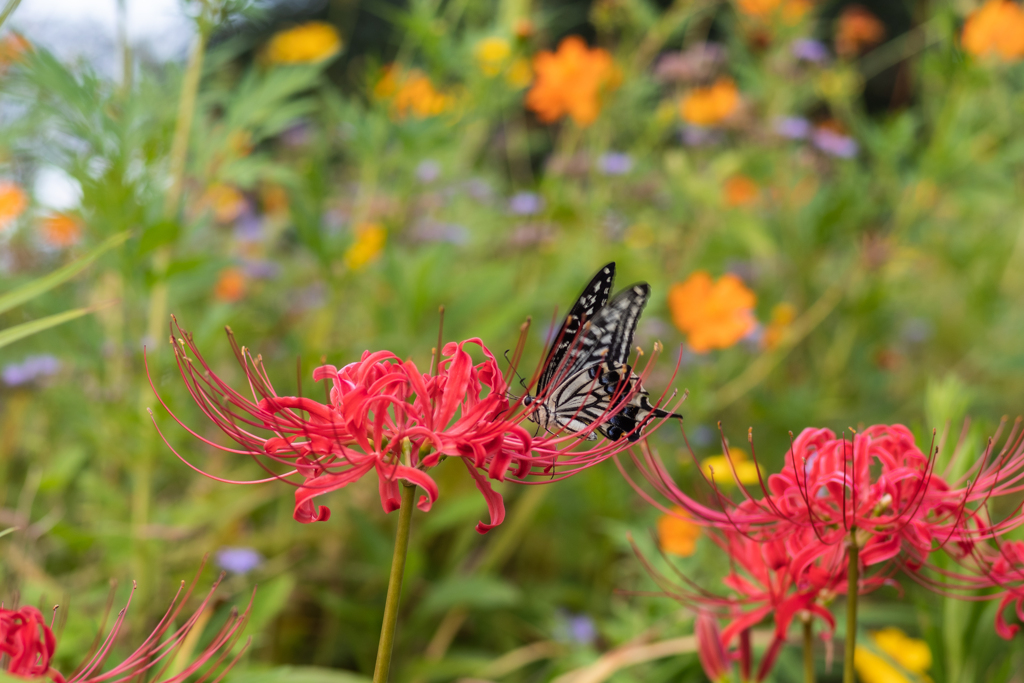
(385,416)
(29,645)
(765,581)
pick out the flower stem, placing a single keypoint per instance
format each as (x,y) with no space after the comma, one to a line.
(387,629)
(809,651)
(852,579)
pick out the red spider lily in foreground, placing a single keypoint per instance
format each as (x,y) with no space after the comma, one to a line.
(29,644)
(385,416)
(845,505)
(764,580)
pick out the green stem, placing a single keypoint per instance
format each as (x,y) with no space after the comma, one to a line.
(852,579)
(387,629)
(808,651)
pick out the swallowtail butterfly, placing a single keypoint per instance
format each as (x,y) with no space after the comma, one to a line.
(586,374)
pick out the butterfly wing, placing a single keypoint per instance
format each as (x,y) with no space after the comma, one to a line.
(588,304)
(607,338)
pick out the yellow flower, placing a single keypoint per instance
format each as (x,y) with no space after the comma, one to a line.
(739,190)
(912,655)
(711,105)
(676,535)
(492,54)
(713,315)
(783,316)
(410,92)
(231,285)
(997,28)
(227,202)
(519,74)
(370,239)
(307,43)
(571,81)
(61,230)
(746,470)
(12,203)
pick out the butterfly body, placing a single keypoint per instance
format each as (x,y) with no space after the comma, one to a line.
(586,380)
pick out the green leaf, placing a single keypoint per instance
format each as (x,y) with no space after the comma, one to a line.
(472,591)
(295,674)
(271,599)
(13,334)
(38,286)
(158,234)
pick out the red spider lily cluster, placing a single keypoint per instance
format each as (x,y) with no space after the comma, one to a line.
(876,498)
(385,416)
(28,644)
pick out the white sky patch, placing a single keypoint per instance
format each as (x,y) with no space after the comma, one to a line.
(88,29)
(55,189)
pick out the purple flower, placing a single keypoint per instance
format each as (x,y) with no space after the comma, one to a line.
(836,144)
(428,230)
(428,171)
(249,227)
(615,163)
(810,50)
(793,127)
(29,370)
(261,270)
(238,560)
(296,136)
(698,136)
(696,63)
(479,189)
(582,629)
(526,203)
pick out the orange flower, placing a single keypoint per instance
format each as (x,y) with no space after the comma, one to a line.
(274,199)
(231,285)
(676,535)
(740,190)
(995,29)
(713,315)
(12,203)
(856,30)
(571,81)
(12,47)
(791,11)
(410,92)
(711,105)
(226,202)
(61,230)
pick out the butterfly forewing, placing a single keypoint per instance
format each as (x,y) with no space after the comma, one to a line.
(592,300)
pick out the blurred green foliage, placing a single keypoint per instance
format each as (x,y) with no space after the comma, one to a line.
(904,264)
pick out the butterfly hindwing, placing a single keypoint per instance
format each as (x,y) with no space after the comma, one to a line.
(590,302)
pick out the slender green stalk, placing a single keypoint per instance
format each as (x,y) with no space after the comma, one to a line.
(387,629)
(852,579)
(808,651)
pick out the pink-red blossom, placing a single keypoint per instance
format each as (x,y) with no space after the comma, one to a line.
(789,539)
(386,417)
(28,646)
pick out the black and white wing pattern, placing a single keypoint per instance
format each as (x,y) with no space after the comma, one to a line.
(591,383)
(593,299)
